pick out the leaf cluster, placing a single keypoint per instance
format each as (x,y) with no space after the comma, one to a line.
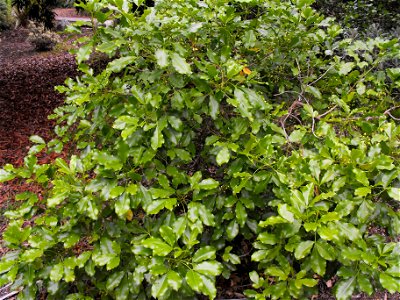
(216,124)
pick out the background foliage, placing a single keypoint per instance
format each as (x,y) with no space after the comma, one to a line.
(5,15)
(36,10)
(221,135)
(382,15)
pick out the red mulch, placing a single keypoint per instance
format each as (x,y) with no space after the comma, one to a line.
(68,12)
(27,97)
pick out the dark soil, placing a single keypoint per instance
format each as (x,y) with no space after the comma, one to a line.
(27,97)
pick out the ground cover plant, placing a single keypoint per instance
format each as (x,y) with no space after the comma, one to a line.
(222,135)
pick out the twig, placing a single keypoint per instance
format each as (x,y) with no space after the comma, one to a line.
(4,287)
(322,76)
(325,113)
(294,105)
(313,120)
(388,112)
(8,296)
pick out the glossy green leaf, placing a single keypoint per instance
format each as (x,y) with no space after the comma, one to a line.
(57,272)
(160,287)
(211,268)
(365,284)
(118,64)
(204,253)
(114,280)
(157,139)
(345,68)
(122,292)
(277,272)
(83,53)
(393,271)
(213,107)
(390,283)
(241,214)
(36,139)
(361,177)
(174,280)
(223,156)
(208,184)
(394,193)
(318,263)
(122,205)
(303,249)
(283,210)
(194,280)
(314,91)
(344,288)
(232,230)
(349,231)
(325,250)
(158,246)
(180,64)
(162,57)
(268,238)
(208,286)
(6,176)
(168,234)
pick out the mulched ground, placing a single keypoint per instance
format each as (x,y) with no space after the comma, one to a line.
(27,97)
(67,12)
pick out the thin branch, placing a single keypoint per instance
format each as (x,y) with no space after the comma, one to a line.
(388,112)
(322,76)
(294,105)
(9,295)
(325,113)
(4,287)
(393,117)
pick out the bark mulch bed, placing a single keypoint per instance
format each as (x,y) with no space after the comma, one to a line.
(27,95)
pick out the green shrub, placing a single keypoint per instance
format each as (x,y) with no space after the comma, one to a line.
(362,14)
(219,135)
(4,15)
(40,11)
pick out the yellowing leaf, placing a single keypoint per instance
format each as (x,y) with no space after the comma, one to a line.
(129,215)
(246,71)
